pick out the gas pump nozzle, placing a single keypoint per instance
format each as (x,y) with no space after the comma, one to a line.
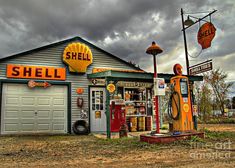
(172,87)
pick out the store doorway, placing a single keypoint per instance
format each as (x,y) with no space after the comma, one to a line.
(97,109)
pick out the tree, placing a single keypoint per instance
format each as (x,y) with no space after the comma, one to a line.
(228,103)
(233,102)
(216,79)
(204,101)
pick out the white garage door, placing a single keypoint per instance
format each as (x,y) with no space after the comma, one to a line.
(33,110)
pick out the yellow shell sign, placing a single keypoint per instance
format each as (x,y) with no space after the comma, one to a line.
(78,57)
(111,88)
(186,107)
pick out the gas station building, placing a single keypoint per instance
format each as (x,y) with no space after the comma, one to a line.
(73,86)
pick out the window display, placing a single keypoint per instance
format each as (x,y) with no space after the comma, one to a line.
(135,99)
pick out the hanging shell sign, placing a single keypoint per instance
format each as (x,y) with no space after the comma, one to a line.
(78,57)
(206,34)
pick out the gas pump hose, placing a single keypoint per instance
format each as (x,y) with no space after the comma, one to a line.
(177,104)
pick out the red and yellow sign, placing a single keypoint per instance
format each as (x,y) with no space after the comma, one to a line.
(96,70)
(33,84)
(35,72)
(78,57)
(111,88)
(206,34)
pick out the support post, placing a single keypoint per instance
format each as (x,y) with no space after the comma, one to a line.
(107,109)
(156,97)
(161,112)
(193,102)
(185,42)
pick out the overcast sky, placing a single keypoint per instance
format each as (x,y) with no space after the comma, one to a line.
(122,27)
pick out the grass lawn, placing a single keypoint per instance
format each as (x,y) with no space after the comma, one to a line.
(90,151)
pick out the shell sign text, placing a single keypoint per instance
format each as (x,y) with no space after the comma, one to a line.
(78,57)
(35,72)
(206,34)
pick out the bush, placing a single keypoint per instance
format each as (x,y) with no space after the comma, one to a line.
(220,120)
(216,135)
(229,121)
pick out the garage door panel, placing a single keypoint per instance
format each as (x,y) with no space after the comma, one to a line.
(12,88)
(27,113)
(61,120)
(44,101)
(59,90)
(43,127)
(12,101)
(27,127)
(12,121)
(44,121)
(11,127)
(34,110)
(58,101)
(58,126)
(27,101)
(44,108)
(11,113)
(58,114)
(43,114)
(26,121)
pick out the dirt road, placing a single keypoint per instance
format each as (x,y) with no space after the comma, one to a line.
(217,150)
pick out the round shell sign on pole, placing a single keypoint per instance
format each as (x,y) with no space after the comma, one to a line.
(111,88)
(206,34)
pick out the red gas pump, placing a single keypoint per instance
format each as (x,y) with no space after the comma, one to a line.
(118,114)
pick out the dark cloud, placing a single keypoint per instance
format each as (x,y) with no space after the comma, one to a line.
(95,20)
(123,27)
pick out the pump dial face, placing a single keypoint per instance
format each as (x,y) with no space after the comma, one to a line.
(183,88)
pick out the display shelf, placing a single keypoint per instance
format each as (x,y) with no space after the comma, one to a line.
(136,101)
(136,108)
(137,115)
(134,94)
